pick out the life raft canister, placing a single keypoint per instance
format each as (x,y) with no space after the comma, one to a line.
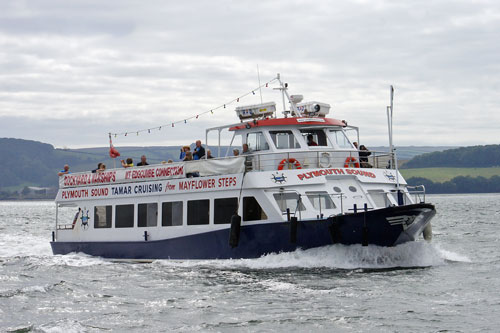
(351,160)
(289,161)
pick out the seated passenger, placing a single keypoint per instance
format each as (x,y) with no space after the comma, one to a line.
(102,168)
(98,167)
(236,152)
(310,140)
(209,153)
(129,164)
(64,171)
(143,161)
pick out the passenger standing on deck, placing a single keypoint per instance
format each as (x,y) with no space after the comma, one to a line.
(64,171)
(184,149)
(245,149)
(143,161)
(199,151)
(129,164)
(248,159)
(363,157)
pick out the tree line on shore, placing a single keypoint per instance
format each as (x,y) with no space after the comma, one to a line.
(460,184)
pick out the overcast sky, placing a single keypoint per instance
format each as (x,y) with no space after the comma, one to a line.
(72,71)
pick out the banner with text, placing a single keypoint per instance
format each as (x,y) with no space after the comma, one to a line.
(115,176)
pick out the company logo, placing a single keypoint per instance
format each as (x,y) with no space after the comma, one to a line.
(389,176)
(277,178)
(85,219)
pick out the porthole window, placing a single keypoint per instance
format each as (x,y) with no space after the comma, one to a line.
(353,189)
(337,189)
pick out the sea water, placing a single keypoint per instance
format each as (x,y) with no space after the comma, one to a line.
(451,284)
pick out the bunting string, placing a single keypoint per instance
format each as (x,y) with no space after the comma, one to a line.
(185,120)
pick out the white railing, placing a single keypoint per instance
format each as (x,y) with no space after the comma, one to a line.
(418,193)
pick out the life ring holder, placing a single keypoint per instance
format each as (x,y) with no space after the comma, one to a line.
(289,161)
(351,160)
(329,160)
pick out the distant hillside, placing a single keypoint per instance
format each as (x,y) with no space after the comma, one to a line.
(408,152)
(464,157)
(441,175)
(26,162)
(32,163)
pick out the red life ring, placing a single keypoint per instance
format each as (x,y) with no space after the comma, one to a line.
(351,160)
(289,161)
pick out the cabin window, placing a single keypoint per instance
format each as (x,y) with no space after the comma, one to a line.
(171,213)
(340,139)
(290,200)
(147,214)
(284,139)
(198,212)
(257,141)
(252,210)
(320,200)
(124,217)
(318,137)
(102,216)
(223,210)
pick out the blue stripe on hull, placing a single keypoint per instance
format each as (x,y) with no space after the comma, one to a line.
(257,240)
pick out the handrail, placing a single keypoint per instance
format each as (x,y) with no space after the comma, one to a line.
(418,191)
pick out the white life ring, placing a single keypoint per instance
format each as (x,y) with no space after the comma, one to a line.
(325,156)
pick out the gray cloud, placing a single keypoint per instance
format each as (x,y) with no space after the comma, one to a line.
(70,72)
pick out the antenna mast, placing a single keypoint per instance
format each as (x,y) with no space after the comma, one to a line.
(284,91)
(260,88)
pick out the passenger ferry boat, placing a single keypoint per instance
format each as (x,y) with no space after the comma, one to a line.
(300,185)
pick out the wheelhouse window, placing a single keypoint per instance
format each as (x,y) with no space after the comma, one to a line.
(320,200)
(257,141)
(102,216)
(171,213)
(124,216)
(198,212)
(284,139)
(147,214)
(290,200)
(314,137)
(340,139)
(223,210)
(252,211)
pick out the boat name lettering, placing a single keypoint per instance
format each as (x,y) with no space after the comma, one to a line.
(156,172)
(147,188)
(137,189)
(324,172)
(99,192)
(119,190)
(207,183)
(89,178)
(75,194)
